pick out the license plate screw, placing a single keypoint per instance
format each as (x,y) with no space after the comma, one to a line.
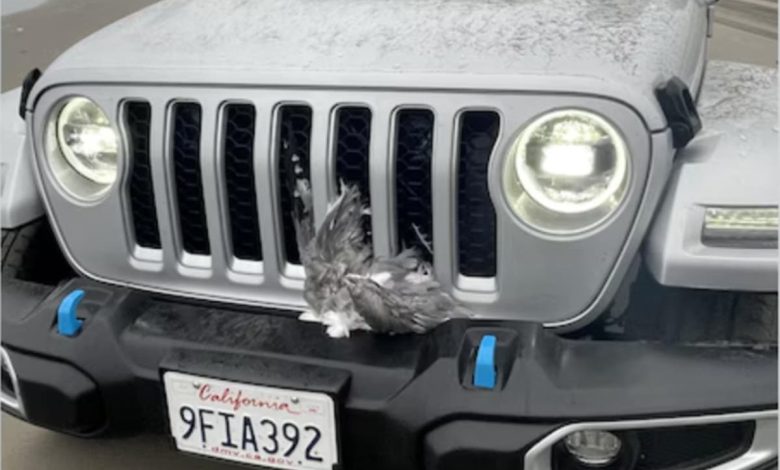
(295,400)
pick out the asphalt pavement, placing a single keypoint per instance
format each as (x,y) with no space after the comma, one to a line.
(34,32)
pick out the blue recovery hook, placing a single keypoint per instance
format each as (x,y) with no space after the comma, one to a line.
(485,367)
(68,324)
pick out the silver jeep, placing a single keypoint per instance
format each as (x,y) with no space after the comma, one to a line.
(580,177)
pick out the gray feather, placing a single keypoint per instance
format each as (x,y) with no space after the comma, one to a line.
(390,295)
(405,308)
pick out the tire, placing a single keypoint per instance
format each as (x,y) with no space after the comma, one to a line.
(31,253)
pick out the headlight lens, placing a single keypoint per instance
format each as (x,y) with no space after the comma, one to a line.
(566,171)
(87,140)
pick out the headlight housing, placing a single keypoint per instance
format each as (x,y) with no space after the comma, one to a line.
(82,147)
(566,171)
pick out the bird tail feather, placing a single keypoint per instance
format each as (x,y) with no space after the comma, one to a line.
(341,236)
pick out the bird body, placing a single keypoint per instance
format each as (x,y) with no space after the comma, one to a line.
(404,307)
(348,288)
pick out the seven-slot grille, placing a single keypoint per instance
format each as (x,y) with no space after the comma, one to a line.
(408,155)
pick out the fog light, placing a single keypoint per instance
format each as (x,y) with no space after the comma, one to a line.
(593,448)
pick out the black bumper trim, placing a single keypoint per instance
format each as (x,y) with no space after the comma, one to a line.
(63,398)
(391,389)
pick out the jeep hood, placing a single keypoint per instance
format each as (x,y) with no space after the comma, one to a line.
(617,48)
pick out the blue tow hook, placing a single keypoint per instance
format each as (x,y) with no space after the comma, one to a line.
(485,367)
(67,322)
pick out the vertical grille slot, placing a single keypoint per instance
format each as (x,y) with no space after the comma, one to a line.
(138,117)
(240,181)
(294,141)
(189,185)
(413,150)
(476,215)
(353,140)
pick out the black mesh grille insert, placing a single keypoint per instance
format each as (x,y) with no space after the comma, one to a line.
(294,136)
(138,117)
(693,447)
(414,145)
(476,215)
(352,152)
(189,187)
(240,181)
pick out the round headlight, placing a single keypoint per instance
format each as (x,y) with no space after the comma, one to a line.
(566,171)
(87,140)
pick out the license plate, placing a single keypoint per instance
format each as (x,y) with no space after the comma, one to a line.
(251,424)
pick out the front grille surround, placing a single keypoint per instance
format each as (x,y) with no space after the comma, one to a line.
(514,292)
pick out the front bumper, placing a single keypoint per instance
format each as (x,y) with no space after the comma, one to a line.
(404,401)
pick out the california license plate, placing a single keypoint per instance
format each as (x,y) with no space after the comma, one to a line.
(251,424)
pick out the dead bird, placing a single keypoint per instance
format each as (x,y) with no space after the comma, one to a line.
(348,288)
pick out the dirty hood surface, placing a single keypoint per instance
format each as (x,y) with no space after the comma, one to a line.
(634,43)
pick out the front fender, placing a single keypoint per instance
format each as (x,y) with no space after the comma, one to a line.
(732,163)
(20,202)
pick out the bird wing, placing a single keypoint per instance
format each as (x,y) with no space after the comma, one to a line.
(369,302)
(396,269)
(403,308)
